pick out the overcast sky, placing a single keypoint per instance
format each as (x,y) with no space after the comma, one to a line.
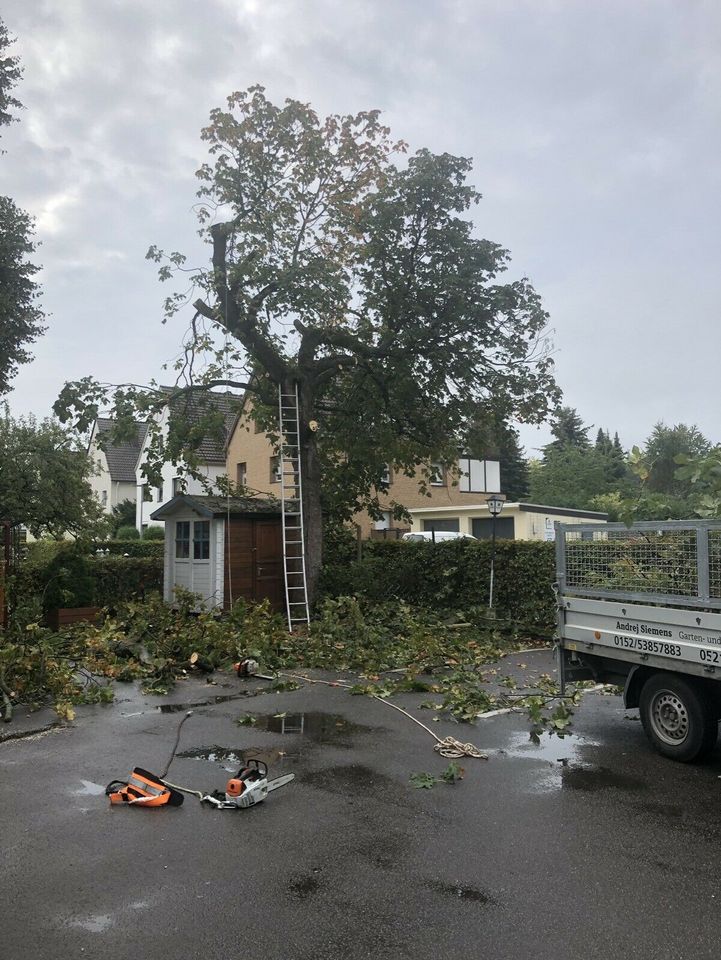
(594,129)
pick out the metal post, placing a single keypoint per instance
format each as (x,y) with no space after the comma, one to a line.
(493,558)
(495,505)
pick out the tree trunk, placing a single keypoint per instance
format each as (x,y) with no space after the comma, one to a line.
(311,477)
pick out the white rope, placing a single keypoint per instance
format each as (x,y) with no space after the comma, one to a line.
(448,747)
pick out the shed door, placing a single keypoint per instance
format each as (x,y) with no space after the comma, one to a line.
(254,561)
(268,567)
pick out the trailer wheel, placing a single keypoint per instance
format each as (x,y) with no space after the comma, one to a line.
(677,717)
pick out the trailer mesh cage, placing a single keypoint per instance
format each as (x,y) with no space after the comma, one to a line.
(675,562)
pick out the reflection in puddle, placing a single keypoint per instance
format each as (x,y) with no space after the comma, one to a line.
(233,758)
(565,767)
(317,726)
(550,749)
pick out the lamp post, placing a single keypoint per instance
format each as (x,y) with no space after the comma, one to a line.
(495,505)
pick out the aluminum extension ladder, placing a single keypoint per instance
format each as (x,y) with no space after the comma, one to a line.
(291,496)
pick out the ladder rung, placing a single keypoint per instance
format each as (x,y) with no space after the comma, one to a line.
(296,603)
(293,541)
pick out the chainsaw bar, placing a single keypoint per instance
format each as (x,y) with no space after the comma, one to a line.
(280,781)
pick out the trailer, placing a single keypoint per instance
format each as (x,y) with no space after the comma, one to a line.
(640,607)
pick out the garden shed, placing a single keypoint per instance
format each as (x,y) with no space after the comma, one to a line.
(223,548)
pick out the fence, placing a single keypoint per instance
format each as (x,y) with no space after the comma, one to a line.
(674,562)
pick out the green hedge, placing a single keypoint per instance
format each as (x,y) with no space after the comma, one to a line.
(76,578)
(452,574)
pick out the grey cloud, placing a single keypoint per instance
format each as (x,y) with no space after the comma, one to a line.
(594,130)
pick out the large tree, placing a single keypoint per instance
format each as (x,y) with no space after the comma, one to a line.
(44,479)
(663,447)
(356,278)
(568,431)
(20,315)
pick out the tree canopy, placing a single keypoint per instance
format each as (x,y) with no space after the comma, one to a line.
(568,431)
(20,316)
(359,278)
(44,479)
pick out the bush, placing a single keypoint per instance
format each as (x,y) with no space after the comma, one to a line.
(127,533)
(154,533)
(454,574)
(130,548)
(75,577)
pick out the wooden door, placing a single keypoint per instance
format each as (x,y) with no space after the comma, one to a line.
(268,562)
(254,561)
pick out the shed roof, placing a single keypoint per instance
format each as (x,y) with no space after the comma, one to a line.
(121,457)
(219,506)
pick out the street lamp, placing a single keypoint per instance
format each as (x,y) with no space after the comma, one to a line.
(495,505)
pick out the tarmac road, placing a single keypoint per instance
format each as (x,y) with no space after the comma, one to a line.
(591,846)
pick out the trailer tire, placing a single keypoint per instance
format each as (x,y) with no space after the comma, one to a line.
(678,717)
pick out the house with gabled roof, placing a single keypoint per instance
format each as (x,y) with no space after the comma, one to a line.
(113,479)
(210,454)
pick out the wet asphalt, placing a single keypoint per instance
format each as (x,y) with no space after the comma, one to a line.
(581,848)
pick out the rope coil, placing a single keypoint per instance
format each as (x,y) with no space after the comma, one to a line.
(449,747)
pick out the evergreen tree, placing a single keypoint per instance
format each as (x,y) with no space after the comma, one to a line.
(568,431)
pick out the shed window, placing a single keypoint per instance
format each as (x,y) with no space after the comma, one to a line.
(201,540)
(182,539)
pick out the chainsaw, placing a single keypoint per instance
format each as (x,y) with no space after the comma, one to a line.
(249,786)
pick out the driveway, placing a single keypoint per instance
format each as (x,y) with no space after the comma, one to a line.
(586,847)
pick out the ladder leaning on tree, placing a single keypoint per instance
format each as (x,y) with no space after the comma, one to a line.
(291,496)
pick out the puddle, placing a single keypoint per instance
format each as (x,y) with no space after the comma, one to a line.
(471,894)
(318,727)
(599,778)
(177,707)
(355,781)
(566,767)
(231,758)
(551,749)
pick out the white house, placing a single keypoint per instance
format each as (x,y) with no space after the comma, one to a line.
(517,521)
(113,479)
(211,454)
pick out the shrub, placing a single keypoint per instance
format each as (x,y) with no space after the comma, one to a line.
(452,574)
(76,577)
(127,533)
(154,533)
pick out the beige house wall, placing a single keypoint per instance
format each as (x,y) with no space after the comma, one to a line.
(255,451)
